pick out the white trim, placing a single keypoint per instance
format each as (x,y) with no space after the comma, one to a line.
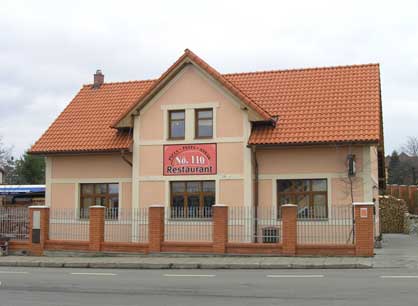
(91,180)
(367,175)
(194,141)
(38,206)
(363,203)
(290,176)
(48,180)
(158,178)
(248,165)
(135,174)
(191,106)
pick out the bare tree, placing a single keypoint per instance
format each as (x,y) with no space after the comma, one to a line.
(411,146)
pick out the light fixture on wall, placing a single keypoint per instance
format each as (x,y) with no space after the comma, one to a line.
(351,164)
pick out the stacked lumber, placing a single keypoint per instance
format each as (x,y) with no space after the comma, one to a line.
(392,214)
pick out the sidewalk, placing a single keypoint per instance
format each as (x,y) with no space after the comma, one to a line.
(399,251)
(190,262)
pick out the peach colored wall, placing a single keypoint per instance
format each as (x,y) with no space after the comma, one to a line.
(90,166)
(150,160)
(151,193)
(341,191)
(126,195)
(265,193)
(63,195)
(307,160)
(191,87)
(230,158)
(231,192)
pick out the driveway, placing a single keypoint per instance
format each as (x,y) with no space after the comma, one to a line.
(399,251)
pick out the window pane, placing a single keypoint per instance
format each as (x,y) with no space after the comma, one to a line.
(100,201)
(193,186)
(204,128)
(113,202)
(101,188)
(320,205)
(177,206)
(209,186)
(301,185)
(285,199)
(193,202)
(177,115)
(177,129)
(284,185)
(86,203)
(204,114)
(178,187)
(87,189)
(208,200)
(113,188)
(303,206)
(319,185)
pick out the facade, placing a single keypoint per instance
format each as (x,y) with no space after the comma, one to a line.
(194,138)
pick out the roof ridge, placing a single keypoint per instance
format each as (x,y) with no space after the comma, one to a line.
(123,82)
(301,69)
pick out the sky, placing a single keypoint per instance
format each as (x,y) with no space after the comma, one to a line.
(49,49)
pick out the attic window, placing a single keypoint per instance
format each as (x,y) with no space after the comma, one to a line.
(176,124)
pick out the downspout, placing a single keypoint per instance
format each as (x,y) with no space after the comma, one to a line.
(122,153)
(255,186)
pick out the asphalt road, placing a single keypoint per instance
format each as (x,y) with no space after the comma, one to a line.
(49,286)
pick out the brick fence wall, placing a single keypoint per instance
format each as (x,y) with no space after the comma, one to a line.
(362,246)
(407,193)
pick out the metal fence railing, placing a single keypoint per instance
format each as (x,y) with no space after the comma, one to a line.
(192,224)
(130,225)
(322,225)
(245,224)
(14,222)
(68,224)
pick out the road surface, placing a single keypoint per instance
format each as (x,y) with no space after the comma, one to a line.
(49,286)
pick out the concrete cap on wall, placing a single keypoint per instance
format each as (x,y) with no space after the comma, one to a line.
(289,205)
(38,206)
(363,203)
(97,206)
(156,205)
(220,205)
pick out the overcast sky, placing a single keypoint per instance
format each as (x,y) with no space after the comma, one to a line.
(48,49)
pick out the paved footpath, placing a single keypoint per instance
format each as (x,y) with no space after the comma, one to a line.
(399,251)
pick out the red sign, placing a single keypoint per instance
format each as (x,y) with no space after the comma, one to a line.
(190,159)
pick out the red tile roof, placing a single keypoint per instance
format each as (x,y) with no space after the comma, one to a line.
(317,105)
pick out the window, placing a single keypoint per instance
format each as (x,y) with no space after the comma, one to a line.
(310,196)
(176,124)
(193,199)
(103,194)
(204,123)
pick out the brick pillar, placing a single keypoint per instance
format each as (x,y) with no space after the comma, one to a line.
(96,227)
(38,229)
(155,228)
(220,228)
(364,235)
(389,189)
(289,229)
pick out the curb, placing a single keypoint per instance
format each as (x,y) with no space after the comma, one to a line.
(159,266)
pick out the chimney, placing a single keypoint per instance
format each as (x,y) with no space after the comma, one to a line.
(98,79)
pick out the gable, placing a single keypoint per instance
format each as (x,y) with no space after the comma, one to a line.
(189,90)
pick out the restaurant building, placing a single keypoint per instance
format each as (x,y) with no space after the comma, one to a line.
(195,137)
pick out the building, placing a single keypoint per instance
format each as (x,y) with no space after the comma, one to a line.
(22,195)
(195,137)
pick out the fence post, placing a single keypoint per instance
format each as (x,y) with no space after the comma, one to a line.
(412,189)
(220,228)
(289,229)
(38,229)
(96,227)
(364,234)
(156,228)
